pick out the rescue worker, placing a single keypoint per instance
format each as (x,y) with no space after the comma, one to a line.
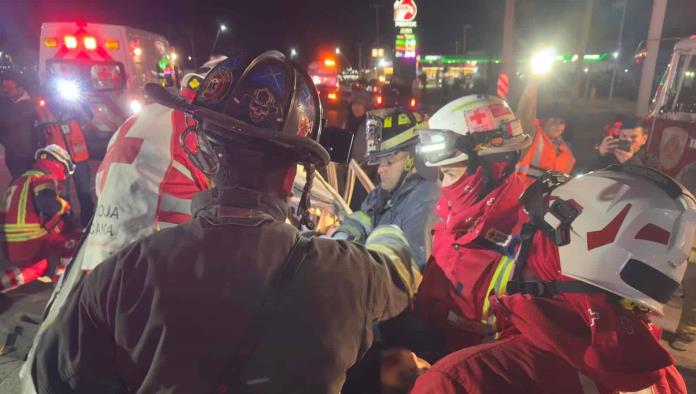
(603,251)
(146,158)
(60,125)
(475,141)
(195,308)
(18,135)
(403,197)
(36,230)
(548,152)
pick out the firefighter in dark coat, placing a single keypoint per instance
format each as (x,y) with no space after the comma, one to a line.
(235,300)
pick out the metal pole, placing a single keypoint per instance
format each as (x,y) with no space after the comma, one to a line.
(212,50)
(508,37)
(376,6)
(193,49)
(653,45)
(582,47)
(618,50)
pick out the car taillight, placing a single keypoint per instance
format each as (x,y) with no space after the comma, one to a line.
(90,43)
(70,42)
(379,100)
(412,103)
(332,96)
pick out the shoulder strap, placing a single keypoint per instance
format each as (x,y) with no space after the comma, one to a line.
(230,381)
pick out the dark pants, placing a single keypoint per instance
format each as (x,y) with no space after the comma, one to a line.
(17,165)
(82,179)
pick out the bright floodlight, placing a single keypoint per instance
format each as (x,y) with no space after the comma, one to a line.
(68,90)
(293,52)
(136,106)
(542,61)
(338,50)
(223,27)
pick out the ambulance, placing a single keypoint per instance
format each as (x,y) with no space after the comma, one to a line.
(673,115)
(104,67)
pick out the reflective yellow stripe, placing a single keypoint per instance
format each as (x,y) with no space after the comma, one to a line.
(407,276)
(388,122)
(43,186)
(389,232)
(497,286)
(400,138)
(23,196)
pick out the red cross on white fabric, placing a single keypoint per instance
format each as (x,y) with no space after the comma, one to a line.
(478,116)
(123,150)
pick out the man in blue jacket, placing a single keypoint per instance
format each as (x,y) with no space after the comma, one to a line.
(404,197)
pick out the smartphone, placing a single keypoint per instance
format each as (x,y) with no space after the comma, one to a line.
(623,145)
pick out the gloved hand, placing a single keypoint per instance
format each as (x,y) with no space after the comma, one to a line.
(356,227)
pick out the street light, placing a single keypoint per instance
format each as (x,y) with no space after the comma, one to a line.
(223,28)
(293,52)
(338,50)
(542,61)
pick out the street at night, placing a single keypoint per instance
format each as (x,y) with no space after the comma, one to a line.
(348,197)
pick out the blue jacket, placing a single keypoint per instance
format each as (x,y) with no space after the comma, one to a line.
(408,207)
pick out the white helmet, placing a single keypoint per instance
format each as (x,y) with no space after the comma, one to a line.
(631,231)
(478,123)
(59,154)
(192,81)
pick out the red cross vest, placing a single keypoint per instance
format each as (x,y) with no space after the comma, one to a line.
(67,135)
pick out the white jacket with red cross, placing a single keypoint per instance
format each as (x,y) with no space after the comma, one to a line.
(145,183)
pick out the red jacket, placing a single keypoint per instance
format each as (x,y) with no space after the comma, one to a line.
(468,263)
(572,343)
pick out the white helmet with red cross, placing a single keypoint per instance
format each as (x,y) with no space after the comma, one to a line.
(476,124)
(631,231)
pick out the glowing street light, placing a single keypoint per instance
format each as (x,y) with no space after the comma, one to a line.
(293,52)
(223,28)
(338,50)
(542,61)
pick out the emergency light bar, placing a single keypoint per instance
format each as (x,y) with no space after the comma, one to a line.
(90,43)
(51,42)
(70,42)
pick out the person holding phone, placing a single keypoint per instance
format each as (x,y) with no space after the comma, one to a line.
(628,148)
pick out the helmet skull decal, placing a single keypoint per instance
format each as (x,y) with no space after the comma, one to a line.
(216,87)
(263,106)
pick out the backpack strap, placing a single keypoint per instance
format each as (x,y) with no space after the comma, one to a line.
(230,380)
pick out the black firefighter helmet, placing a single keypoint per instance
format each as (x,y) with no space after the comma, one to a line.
(391,130)
(270,100)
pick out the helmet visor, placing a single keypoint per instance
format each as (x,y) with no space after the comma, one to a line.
(437,145)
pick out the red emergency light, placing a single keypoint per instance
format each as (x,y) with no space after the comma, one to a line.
(70,42)
(329,62)
(90,43)
(412,103)
(379,100)
(332,96)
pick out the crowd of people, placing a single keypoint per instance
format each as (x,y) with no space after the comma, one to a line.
(498,274)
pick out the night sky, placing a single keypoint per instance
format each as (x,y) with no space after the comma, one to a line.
(313,24)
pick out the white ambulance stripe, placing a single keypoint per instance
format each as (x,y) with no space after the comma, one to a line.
(182,169)
(170,203)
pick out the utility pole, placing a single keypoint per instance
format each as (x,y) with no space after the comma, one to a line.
(466,27)
(508,37)
(619,46)
(193,49)
(582,47)
(376,6)
(653,45)
(360,61)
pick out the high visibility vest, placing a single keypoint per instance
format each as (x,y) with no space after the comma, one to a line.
(67,135)
(542,156)
(21,222)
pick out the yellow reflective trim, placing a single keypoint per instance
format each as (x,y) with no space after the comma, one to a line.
(497,284)
(399,139)
(403,119)
(387,122)
(389,231)
(23,196)
(44,186)
(408,278)
(468,105)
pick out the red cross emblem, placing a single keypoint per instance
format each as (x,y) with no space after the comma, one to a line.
(478,116)
(479,120)
(124,150)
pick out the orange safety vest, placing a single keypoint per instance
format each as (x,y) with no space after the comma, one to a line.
(67,135)
(21,223)
(542,157)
